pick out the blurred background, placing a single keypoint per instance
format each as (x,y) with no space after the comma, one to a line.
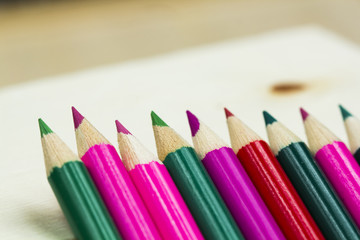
(46,38)
(121,59)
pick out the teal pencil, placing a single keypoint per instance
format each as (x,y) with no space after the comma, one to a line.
(74,190)
(194,184)
(318,196)
(352,126)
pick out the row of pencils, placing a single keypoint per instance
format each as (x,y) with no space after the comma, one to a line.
(251,190)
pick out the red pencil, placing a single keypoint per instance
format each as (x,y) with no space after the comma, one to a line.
(271,181)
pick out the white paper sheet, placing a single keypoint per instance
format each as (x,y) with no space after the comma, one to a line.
(236,74)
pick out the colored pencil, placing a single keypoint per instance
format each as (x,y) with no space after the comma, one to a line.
(74,190)
(352,126)
(194,184)
(240,195)
(271,182)
(337,162)
(113,182)
(158,191)
(318,196)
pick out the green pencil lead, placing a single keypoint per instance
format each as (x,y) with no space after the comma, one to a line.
(345,113)
(44,129)
(157,121)
(268,118)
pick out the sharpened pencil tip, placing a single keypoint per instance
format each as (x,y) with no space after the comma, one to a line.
(228,113)
(157,121)
(121,129)
(304,114)
(268,118)
(44,129)
(193,122)
(77,117)
(344,113)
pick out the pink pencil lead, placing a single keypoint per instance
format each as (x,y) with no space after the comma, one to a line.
(121,129)
(304,114)
(193,122)
(77,117)
(228,113)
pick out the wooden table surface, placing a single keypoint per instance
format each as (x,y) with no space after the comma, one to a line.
(49,39)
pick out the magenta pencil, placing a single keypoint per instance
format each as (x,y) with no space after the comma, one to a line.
(240,195)
(157,189)
(113,182)
(337,162)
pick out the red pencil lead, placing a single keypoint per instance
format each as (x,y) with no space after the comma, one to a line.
(121,129)
(77,117)
(304,114)
(228,113)
(193,122)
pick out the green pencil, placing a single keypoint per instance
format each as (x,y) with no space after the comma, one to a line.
(352,126)
(74,190)
(319,198)
(194,184)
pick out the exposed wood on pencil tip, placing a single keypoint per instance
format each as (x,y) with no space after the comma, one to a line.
(78,118)
(318,134)
(56,152)
(344,113)
(269,119)
(157,121)
(304,114)
(44,129)
(166,139)
(279,136)
(228,113)
(86,134)
(204,139)
(193,122)
(121,129)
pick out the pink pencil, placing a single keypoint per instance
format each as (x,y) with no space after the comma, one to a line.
(114,184)
(337,162)
(234,185)
(157,189)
